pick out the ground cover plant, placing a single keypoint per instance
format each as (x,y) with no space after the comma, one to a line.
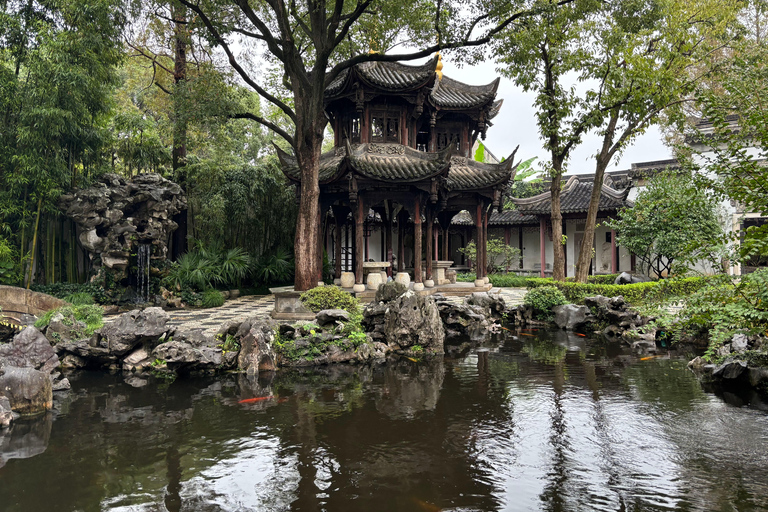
(542,299)
(90,315)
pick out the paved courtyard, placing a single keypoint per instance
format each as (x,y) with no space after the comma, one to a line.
(209,320)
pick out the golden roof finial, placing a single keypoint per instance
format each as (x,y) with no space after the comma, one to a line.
(439,67)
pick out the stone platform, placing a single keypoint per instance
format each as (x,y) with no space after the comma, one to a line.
(449,290)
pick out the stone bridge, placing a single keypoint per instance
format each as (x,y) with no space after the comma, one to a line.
(17,301)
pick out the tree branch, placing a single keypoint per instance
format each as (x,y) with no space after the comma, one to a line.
(269,124)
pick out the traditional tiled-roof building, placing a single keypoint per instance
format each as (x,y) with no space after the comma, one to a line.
(403,137)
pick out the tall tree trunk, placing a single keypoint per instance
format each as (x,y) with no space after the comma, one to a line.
(585,252)
(601,164)
(34,243)
(558,264)
(180,125)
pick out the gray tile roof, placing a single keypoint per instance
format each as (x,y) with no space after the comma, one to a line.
(505,218)
(397,163)
(574,198)
(467,174)
(330,165)
(394,76)
(451,93)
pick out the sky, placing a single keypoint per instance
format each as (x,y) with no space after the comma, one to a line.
(516,124)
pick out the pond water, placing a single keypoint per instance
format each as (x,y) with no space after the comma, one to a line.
(548,422)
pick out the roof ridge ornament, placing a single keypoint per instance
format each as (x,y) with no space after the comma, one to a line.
(439,66)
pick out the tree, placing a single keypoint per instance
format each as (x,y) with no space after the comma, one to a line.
(728,153)
(631,60)
(57,72)
(672,223)
(312,43)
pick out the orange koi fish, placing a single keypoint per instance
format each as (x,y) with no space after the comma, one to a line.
(524,334)
(648,358)
(257,399)
(579,334)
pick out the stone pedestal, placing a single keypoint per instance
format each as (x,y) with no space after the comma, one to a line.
(417,287)
(288,306)
(337,281)
(479,283)
(374,280)
(358,288)
(440,266)
(486,280)
(347,279)
(429,283)
(403,278)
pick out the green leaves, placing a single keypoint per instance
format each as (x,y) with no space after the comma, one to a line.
(673,221)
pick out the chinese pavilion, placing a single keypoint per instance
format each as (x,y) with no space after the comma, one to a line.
(402,149)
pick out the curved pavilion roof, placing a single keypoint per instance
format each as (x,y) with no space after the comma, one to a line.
(396,163)
(395,77)
(574,198)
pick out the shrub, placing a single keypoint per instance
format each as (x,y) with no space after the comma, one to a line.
(543,299)
(274,268)
(80,298)
(212,299)
(64,290)
(635,294)
(91,315)
(329,297)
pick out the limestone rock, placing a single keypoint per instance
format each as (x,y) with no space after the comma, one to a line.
(256,352)
(115,215)
(492,305)
(389,291)
(627,278)
(730,370)
(183,357)
(6,414)
(331,317)
(414,319)
(29,391)
(740,343)
(121,335)
(572,317)
(29,349)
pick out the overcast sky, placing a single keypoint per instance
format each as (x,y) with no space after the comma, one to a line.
(516,124)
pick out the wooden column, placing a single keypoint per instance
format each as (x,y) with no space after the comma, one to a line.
(417,241)
(486,214)
(402,219)
(614,259)
(320,243)
(542,247)
(520,243)
(337,250)
(437,244)
(430,241)
(359,219)
(388,242)
(446,239)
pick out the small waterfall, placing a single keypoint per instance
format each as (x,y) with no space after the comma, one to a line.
(145,251)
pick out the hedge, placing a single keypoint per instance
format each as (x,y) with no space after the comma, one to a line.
(636,294)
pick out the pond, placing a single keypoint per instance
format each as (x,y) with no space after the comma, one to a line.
(548,421)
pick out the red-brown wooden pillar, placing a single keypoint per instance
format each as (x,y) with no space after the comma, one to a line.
(417,241)
(486,214)
(478,242)
(402,219)
(337,249)
(388,241)
(446,238)
(359,242)
(430,241)
(542,247)
(437,244)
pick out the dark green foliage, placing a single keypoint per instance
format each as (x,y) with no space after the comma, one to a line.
(329,297)
(500,255)
(64,290)
(716,311)
(212,299)
(80,298)
(390,291)
(274,268)
(543,299)
(191,298)
(672,223)
(206,268)
(635,294)
(91,315)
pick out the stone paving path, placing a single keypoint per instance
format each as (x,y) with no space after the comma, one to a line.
(209,320)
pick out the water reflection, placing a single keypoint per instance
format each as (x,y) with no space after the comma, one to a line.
(549,421)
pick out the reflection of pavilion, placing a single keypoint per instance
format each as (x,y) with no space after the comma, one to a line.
(403,139)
